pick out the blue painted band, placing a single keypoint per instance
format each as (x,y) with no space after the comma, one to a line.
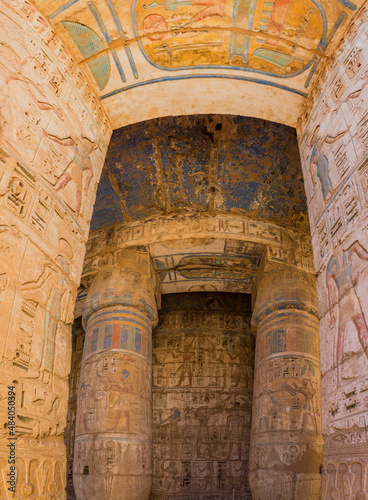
(348,4)
(122,35)
(122,312)
(110,319)
(131,61)
(118,65)
(62,8)
(99,21)
(115,18)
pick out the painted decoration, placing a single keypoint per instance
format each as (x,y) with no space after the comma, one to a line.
(89,43)
(240,34)
(334,150)
(256,49)
(286,439)
(210,164)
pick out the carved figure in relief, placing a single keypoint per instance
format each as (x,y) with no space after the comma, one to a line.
(79,169)
(208,477)
(204,450)
(121,403)
(170,473)
(308,391)
(243,368)
(187,355)
(59,305)
(235,426)
(241,482)
(11,71)
(87,401)
(170,424)
(319,160)
(339,277)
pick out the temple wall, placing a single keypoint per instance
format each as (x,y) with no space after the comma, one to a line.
(53,139)
(203,355)
(334,147)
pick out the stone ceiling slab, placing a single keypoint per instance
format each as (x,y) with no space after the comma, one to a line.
(207,164)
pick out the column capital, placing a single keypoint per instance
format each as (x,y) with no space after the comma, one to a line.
(114,422)
(130,282)
(283,287)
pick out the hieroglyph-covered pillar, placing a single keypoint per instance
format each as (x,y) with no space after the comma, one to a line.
(286,442)
(53,139)
(334,152)
(113,448)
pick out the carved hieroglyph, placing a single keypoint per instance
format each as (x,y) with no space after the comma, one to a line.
(334,147)
(113,446)
(53,139)
(286,442)
(203,357)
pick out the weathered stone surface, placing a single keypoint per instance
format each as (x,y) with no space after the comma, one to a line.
(113,446)
(203,355)
(53,139)
(286,441)
(333,147)
(211,164)
(200,252)
(77,355)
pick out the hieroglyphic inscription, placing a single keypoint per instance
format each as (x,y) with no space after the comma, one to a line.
(334,145)
(203,376)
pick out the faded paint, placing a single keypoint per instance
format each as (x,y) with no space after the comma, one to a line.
(210,164)
(245,48)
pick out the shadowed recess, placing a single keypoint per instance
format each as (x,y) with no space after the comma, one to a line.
(202,163)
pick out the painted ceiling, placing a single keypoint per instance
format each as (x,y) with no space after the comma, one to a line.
(150,58)
(202,163)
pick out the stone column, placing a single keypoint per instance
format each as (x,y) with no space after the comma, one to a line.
(53,139)
(113,448)
(286,442)
(333,147)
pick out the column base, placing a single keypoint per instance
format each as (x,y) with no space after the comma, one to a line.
(266,484)
(108,486)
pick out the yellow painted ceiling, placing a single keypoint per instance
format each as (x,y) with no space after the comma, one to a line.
(152,58)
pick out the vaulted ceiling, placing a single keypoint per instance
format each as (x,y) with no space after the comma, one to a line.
(153,58)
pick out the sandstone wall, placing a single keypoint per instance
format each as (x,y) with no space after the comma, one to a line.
(334,147)
(53,139)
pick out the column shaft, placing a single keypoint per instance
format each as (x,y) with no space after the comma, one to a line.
(113,448)
(286,444)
